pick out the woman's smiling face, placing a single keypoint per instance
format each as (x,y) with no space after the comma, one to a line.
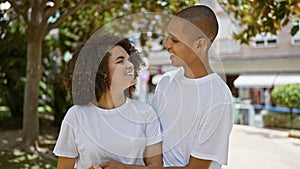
(121,70)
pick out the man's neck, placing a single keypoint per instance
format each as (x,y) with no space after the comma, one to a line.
(197,69)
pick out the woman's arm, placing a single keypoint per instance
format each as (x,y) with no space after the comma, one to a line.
(65,163)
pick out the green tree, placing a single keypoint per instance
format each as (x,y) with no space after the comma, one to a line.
(12,73)
(13,61)
(263,16)
(36,14)
(287,95)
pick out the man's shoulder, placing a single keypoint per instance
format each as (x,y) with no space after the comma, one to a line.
(173,72)
(171,75)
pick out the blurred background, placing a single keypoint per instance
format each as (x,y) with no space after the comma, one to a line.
(257,53)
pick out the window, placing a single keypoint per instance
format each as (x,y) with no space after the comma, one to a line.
(296,37)
(265,40)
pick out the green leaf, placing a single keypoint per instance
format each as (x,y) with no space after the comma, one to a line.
(294,30)
(285,22)
(265,15)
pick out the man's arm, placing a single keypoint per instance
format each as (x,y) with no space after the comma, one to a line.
(152,159)
(153,155)
(194,163)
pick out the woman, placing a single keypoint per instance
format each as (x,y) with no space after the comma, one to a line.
(104,124)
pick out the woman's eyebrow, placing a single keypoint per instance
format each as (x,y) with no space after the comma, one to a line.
(120,57)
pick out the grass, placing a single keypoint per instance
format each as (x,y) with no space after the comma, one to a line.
(19,159)
(12,156)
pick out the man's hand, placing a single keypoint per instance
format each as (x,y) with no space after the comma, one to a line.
(94,166)
(113,165)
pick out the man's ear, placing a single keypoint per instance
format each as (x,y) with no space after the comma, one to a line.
(200,44)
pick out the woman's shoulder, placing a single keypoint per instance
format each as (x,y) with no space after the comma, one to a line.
(76,107)
(74,110)
(139,105)
(143,110)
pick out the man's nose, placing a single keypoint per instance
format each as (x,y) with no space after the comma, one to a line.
(168,42)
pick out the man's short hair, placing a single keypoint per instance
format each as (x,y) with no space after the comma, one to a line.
(203,18)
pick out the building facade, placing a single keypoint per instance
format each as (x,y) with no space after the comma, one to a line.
(252,70)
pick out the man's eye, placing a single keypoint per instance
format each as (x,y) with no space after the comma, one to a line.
(174,40)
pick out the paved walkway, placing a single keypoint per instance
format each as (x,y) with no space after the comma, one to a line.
(258,148)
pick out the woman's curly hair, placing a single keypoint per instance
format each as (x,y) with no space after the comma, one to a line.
(87,73)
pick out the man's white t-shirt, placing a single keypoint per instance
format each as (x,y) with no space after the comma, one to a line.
(196,117)
(92,134)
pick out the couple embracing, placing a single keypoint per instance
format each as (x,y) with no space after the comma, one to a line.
(188,123)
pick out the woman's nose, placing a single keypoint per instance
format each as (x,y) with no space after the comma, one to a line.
(130,64)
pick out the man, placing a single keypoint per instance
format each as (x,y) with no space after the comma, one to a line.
(193,103)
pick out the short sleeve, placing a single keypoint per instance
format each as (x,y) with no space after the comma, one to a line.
(212,140)
(155,102)
(159,99)
(65,145)
(153,131)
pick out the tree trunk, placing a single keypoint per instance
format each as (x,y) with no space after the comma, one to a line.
(33,77)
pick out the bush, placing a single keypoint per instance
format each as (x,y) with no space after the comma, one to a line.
(281,120)
(287,95)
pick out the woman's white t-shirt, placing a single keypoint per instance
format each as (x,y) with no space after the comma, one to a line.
(92,134)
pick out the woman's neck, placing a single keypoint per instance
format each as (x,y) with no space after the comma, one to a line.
(110,100)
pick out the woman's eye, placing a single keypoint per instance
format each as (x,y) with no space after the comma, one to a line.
(120,61)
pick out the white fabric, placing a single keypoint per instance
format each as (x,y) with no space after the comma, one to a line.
(91,134)
(196,117)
